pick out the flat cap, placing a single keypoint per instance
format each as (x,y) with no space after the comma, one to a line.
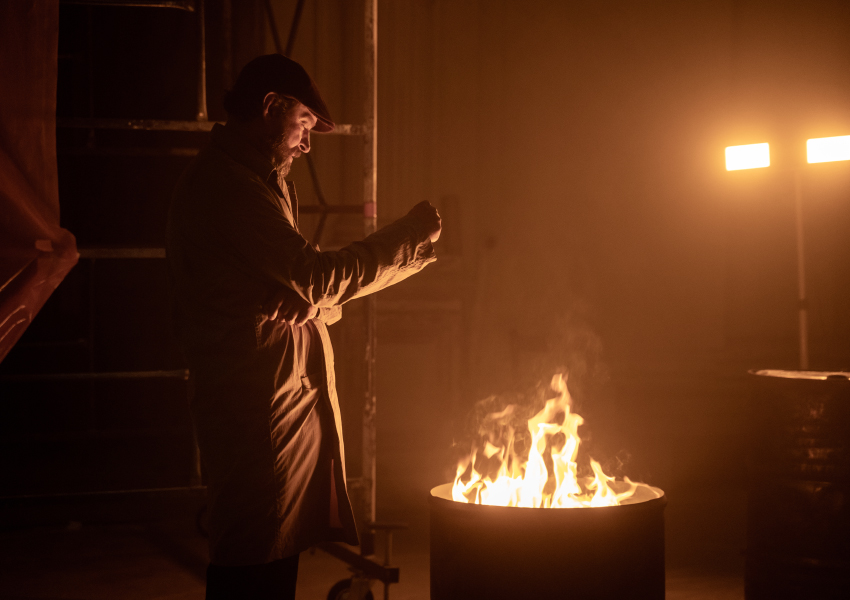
(277,73)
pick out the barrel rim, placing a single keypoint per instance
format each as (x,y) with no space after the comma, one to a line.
(651,504)
(801,375)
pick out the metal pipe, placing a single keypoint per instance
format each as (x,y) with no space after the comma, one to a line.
(387,556)
(136,151)
(227,43)
(273,27)
(202,64)
(320,196)
(187,5)
(802,301)
(94,253)
(320,228)
(330,209)
(388,549)
(90,60)
(143,124)
(345,129)
(87,435)
(317,185)
(370,149)
(191,488)
(172,374)
(90,71)
(196,476)
(91,350)
(293,29)
(366,566)
(78,343)
(161,125)
(370,223)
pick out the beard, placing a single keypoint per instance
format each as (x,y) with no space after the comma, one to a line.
(283,169)
(282,155)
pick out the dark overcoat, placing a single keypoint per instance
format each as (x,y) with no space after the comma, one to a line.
(265,407)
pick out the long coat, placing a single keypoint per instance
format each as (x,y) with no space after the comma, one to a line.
(265,408)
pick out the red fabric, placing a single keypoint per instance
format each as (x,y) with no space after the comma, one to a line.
(35,253)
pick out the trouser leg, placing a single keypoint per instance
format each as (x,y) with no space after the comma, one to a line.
(273,581)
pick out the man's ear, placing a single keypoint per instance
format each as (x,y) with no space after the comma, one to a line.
(272,104)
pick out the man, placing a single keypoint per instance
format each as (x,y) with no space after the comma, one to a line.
(253,299)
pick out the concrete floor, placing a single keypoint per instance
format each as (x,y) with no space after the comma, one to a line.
(165,560)
(136,563)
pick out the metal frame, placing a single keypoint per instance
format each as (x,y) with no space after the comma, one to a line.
(187,5)
(91,376)
(160,125)
(92,254)
(370,225)
(363,564)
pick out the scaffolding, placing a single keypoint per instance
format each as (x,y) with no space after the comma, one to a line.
(364,565)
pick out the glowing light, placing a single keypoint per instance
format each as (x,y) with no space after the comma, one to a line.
(546,476)
(750,156)
(828,149)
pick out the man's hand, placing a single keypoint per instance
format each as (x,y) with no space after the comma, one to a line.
(287,306)
(429,217)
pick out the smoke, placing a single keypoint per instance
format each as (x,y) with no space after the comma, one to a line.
(569,346)
(575,348)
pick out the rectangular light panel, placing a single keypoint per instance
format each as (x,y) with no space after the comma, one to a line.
(750,156)
(828,149)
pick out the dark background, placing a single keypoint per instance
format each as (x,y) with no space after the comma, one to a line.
(575,151)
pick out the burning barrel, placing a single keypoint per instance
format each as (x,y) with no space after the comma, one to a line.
(510,552)
(798,521)
(521,521)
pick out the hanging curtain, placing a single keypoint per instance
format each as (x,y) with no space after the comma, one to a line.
(35,253)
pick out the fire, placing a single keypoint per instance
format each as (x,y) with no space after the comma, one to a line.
(548,476)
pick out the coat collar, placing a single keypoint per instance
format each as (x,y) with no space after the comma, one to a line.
(243,152)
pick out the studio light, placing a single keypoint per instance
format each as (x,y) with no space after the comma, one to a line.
(828,149)
(749,156)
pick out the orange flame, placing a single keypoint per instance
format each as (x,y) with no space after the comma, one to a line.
(530,481)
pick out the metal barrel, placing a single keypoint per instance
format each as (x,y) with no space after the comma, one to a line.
(505,553)
(798,507)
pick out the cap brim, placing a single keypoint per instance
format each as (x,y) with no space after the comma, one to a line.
(323,125)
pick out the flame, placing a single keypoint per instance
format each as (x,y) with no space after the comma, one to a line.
(532,480)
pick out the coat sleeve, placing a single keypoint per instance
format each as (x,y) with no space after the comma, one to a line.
(331,315)
(265,243)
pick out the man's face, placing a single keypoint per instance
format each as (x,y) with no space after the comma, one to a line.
(288,133)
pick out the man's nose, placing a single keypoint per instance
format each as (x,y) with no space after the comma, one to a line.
(304,146)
